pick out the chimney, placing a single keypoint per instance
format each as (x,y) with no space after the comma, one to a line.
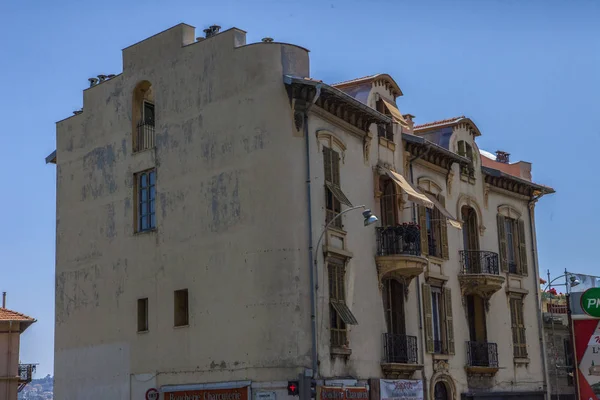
(212,31)
(409,120)
(267,40)
(502,156)
(3,299)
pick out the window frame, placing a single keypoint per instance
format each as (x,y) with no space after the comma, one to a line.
(181,308)
(334,196)
(337,293)
(437,310)
(519,332)
(145,209)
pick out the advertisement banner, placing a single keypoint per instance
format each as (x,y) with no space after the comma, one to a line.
(342,393)
(401,389)
(209,394)
(587,353)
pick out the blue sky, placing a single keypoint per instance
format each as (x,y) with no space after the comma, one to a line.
(527,73)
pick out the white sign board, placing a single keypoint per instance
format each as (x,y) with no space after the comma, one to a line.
(401,389)
(264,396)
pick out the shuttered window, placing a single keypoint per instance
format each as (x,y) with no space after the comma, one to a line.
(512,246)
(439,322)
(434,230)
(518,327)
(340,314)
(334,197)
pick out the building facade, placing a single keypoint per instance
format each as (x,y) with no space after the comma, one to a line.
(201,250)
(13,375)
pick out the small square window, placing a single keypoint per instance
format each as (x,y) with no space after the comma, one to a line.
(142,315)
(181,310)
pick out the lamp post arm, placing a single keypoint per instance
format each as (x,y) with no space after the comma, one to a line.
(327,227)
(558,277)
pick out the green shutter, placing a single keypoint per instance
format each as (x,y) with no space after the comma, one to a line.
(522,248)
(423,226)
(449,320)
(443,228)
(502,246)
(327,156)
(428,316)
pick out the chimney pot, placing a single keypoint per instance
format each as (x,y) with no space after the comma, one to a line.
(267,40)
(502,156)
(3,299)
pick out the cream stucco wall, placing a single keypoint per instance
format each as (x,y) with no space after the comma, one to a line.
(9,359)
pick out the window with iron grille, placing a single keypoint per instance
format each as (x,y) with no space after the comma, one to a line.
(339,312)
(334,197)
(518,327)
(145,128)
(146,200)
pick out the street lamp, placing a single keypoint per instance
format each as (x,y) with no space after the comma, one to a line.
(369,219)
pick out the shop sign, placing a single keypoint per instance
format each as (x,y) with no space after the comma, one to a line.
(590,302)
(342,393)
(405,389)
(264,396)
(209,394)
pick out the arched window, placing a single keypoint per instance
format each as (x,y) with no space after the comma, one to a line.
(388,202)
(143,118)
(440,391)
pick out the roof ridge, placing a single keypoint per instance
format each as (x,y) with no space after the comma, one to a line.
(439,122)
(355,79)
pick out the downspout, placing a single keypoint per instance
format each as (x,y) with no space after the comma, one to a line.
(313,283)
(8,359)
(419,300)
(537,291)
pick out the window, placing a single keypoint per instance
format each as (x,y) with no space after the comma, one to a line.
(387,130)
(388,202)
(518,327)
(339,312)
(512,245)
(465,150)
(334,197)
(434,230)
(143,117)
(439,328)
(181,311)
(142,315)
(146,200)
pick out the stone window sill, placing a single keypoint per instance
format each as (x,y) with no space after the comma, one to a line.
(341,351)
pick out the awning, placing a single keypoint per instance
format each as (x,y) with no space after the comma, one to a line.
(338,194)
(413,193)
(451,220)
(344,312)
(396,115)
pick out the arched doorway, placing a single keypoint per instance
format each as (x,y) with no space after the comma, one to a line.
(440,391)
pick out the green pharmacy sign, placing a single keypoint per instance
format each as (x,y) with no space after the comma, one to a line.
(590,302)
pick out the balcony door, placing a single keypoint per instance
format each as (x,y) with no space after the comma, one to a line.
(388,201)
(478,348)
(470,240)
(396,342)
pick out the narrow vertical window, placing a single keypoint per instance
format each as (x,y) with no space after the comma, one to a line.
(510,245)
(142,315)
(334,197)
(518,327)
(181,308)
(339,313)
(146,197)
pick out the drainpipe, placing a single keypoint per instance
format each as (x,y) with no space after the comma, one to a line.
(537,291)
(313,282)
(8,359)
(419,300)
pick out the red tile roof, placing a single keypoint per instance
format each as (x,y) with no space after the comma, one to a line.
(448,121)
(9,315)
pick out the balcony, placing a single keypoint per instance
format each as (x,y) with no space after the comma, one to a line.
(482,358)
(399,252)
(145,136)
(480,274)
(25,375)
(399,356)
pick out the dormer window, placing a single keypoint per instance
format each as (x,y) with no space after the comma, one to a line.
(466,150)
(387,130)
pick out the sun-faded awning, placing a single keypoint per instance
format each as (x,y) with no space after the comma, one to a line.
(413,193)
(451,220)
(396,114)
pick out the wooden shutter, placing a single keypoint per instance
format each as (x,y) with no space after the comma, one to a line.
(423,226)
(502,246)
(522,248)
(449,320)
(327,156)
(443,228)
(428,315)
(335,168)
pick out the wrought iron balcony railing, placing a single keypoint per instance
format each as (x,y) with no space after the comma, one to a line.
(401,349)
(145,135)
(397,240)
(479,262)
(25,375)
(482,354)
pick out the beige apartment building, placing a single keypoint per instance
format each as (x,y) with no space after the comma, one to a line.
(201,252)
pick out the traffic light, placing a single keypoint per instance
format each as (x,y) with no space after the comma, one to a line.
(293,388)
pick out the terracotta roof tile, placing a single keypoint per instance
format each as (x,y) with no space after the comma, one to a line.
(442,122)
(9,315)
